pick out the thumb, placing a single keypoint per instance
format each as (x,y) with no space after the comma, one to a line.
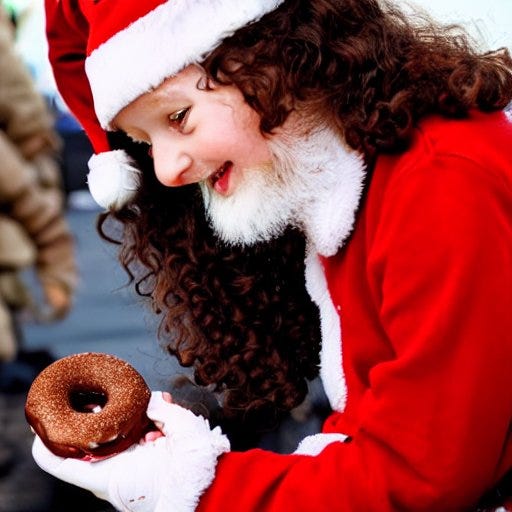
(93,476)
(44,458)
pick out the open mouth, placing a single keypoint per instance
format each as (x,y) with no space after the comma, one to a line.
(220,179)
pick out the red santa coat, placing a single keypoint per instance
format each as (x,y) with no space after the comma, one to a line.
(417,340)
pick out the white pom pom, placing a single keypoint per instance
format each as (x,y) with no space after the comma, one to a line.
(113,179)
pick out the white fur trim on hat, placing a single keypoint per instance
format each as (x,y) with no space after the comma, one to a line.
(113,179)
(160,44)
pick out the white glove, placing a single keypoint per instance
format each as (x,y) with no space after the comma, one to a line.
(168,474)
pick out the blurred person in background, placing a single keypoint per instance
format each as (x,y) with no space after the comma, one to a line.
(30,42)
(33,229)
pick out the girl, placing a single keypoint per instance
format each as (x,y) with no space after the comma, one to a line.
(380,141)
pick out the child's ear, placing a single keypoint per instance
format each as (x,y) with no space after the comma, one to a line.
(205,83)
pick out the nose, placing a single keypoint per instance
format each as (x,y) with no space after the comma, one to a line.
(172,165)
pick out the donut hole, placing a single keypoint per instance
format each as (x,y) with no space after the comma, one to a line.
(87,400)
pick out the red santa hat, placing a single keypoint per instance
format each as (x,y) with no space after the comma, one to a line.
(106,53)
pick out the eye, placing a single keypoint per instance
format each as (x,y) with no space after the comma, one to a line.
(179,117)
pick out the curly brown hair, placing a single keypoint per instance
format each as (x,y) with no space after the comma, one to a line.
(242,317)
(363,64)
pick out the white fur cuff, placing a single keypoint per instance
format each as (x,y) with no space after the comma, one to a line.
(192,453)
(313,445)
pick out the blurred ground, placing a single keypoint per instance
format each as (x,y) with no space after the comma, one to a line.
(107,317)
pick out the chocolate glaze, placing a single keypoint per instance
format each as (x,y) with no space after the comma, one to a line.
(69,430)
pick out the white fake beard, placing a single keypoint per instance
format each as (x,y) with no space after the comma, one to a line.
(305,177)
(257,211)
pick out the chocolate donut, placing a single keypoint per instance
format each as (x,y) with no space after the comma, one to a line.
(88,406)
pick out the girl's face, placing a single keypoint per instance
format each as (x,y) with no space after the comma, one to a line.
(210,137)
(253,187)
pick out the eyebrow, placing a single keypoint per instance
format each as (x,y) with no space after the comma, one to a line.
(116,128)
(172,88)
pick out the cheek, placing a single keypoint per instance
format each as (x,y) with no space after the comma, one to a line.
(236,141)
(250,142)
(234,131)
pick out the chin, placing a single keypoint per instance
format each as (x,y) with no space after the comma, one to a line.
(257,211)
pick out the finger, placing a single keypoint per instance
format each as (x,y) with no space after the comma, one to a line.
(157,405)
(88,475)
(156,409)
(60,467)
(151,436)
(44,458)
(160,411)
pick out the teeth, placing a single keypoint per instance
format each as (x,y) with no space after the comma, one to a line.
(220,172)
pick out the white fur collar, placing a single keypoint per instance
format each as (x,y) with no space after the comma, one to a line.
(328,219)
(324,180)
(331,354)
(331,216)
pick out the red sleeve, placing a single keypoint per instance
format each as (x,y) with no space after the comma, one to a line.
(435,418)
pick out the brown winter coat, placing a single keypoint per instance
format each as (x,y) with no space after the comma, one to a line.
(33,230)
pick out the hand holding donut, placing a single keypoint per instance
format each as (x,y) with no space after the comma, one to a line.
(169,473)
(130,480)
(161,473)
